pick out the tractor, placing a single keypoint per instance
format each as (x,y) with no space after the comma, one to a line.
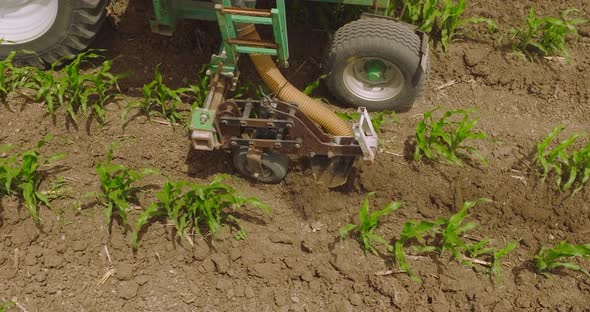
(374,63)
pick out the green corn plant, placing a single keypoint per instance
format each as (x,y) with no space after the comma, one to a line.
(447,235)
(439,18)
(117,191)
(194,206)
(497,256)
(413,230)
(368,224)
(201,89)
(12,77)
(548,259)
(546,35)
(6,305)
(73,89)
(445,138)
(117,188)
(454,229)
(20,176)
(477,249)
(313,85)
(162,101)
(569,167)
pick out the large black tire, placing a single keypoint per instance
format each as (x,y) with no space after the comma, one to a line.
(74,28)
(395,45)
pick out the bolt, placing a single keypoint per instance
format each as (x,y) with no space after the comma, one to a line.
(289,125)
(204,118)
(234,143)
(297,145)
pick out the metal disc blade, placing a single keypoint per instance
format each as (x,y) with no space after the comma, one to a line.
(332,172)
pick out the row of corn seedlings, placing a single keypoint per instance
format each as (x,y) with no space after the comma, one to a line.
(194,207)
(22,173)
(545,36)
(78,90)
(444,235)
(190,206)
(448,139)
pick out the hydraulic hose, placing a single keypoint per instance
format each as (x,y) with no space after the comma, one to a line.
(285,91)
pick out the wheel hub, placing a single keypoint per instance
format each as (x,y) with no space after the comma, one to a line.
(23,21)
(373,79)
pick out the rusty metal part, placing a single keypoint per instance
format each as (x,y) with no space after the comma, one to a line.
(253,43)
(282,127)
(253,159)
(247,12)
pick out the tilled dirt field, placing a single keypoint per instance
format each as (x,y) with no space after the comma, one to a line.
(294,259)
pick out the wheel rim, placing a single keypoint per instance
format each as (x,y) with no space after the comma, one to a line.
(373,79)
(23,21)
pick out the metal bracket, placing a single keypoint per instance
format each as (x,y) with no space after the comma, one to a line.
(203,134)
(366,136)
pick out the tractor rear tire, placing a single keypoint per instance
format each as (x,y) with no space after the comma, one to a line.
(64,28)
(377,63)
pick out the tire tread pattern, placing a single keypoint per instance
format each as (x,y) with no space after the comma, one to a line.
(87,19)
(356,32)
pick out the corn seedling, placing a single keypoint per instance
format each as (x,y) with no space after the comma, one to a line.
(313,85)
(412,230)
(194,206)
(546,35)
(20,176)
(439,18)
(368,224)
(159,100)
(117,188)
(569,167)
(454,229)
(75,90)
(548,259)
(6,305)
(12,77)
(497,256)
(447,235)
(445,138)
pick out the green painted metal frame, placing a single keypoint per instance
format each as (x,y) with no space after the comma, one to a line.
(169,12)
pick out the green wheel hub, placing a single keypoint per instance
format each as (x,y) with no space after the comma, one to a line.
(374,69)
(373,79)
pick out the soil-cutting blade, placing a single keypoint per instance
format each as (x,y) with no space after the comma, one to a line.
(333,171)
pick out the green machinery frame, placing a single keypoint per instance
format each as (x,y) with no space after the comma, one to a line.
(169,12)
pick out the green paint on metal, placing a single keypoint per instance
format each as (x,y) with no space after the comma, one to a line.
(252,20)
(279,17)
(256,50)
(374,70)
(202,119)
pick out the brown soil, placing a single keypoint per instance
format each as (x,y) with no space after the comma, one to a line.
(294,259)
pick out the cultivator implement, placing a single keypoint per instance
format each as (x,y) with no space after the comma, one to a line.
(262,133)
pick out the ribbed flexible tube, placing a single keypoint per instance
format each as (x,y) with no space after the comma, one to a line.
(285,91)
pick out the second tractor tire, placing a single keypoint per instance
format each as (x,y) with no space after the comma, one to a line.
(377,63)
